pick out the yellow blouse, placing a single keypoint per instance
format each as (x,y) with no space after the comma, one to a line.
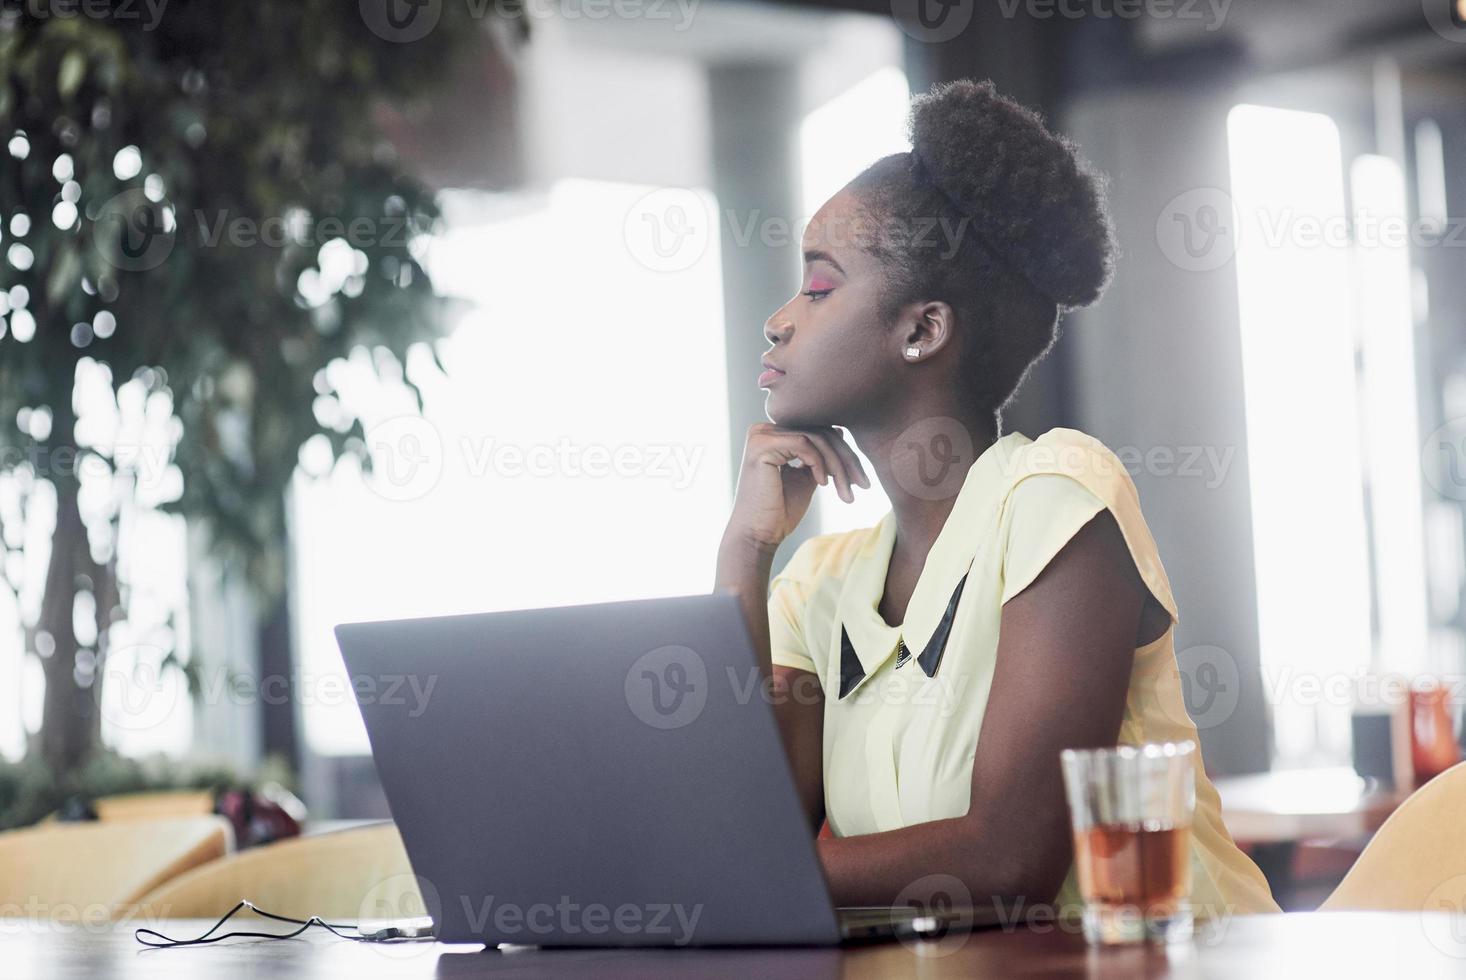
(899,741)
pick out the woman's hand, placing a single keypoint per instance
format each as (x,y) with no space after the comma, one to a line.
(775,484)
(777,479)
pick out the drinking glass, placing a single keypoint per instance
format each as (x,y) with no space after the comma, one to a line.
(1131,808)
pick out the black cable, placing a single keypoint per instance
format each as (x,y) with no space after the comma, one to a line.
(381,935)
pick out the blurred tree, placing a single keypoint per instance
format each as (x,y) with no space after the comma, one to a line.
(198,209)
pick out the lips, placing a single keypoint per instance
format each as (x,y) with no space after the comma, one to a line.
(770,374)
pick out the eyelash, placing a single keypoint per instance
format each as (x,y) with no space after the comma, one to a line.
(818,294)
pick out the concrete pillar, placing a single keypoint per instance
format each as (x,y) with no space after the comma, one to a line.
(754,113)
(1157,364)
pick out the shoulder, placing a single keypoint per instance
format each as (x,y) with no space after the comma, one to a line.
(824,556)
(804,594)
(1078,460)
(1056,485)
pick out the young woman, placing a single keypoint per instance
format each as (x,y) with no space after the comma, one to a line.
(929,670)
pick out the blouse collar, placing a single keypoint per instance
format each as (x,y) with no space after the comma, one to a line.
(864,641)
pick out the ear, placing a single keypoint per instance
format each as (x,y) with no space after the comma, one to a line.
(928,327)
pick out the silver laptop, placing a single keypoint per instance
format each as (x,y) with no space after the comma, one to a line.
(603,775)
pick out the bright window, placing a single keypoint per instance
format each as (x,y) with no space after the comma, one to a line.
(1329,367)
(576,451)
(1384,308)
(142,693)
(1302,410)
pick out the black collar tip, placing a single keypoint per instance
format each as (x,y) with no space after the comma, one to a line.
(931,657)
(851,671)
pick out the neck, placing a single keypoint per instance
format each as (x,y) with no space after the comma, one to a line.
(921,458)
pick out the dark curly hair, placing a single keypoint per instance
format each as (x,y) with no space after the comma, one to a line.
(1016,229)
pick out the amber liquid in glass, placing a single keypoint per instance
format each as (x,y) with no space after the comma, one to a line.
(1134,866)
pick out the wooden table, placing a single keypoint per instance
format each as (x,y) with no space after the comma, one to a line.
(1271,813)
(1326,944)
(1304,804)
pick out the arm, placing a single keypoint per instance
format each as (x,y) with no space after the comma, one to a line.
(1063,668)
(797,699)
(772,497)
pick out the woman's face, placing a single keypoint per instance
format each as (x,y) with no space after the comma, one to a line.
(834,358)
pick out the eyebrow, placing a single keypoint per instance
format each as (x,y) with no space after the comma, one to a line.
(816,255)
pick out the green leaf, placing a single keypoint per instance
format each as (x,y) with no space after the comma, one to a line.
(65,277)
(73,73)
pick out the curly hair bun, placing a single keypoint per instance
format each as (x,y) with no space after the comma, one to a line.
(1030,196)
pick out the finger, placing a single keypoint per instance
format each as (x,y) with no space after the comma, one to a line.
(809,460)
(853,465)
(783,448)
(834,464)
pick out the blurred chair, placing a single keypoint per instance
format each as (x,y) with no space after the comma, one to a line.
(88,869)
(1417,859)
(343,876)
(155,806)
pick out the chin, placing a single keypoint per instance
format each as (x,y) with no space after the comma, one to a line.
(791,414)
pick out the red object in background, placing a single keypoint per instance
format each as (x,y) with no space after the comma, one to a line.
(261,816)
(1433,744)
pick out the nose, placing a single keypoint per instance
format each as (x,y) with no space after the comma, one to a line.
(778,328)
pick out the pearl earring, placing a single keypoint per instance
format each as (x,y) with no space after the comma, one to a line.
(913,352)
